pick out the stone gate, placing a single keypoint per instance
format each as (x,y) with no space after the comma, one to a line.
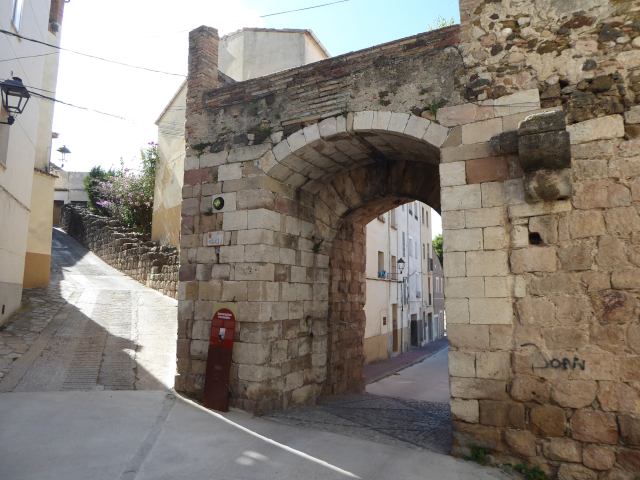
(519,126)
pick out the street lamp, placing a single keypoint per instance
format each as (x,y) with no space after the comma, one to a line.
(401,265)
(63,150)
(14,98)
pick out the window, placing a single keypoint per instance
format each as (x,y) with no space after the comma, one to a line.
(417,254)
(404,254)
(427,218)
(392,218)
(423,215)
(17,13)
(402,207)
(410,247)
(424,252)
(394,268)
(380,264)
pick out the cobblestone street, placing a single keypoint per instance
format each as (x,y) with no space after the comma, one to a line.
(392,421)
(92,328)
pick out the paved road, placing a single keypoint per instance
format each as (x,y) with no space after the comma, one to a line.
(92,328)
(427,380)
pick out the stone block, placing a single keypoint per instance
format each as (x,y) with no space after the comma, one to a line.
(543,122)
(465,152)
(534,259)
(257,373)
(549,150)
(602,128)
(534,209)
(465,287)
(526,388)
(487,264)
(586,224)
(465,410)
(231,254)
(234,220)
(615,307)
(562,450)
(461,197)
(255,271)
(453,220)
(255,237)
(457,115)
(468,337)
(546,227)
(547,421)
(398,122)
(574,393)
(547,185)
(416,127)
(575,257)
(502,414)
(462,364)
(436,135)
(479,132)
(493,365)
(457,310)
(496,194)
(594,427)
(520,102)
(622,220)
(600,194)
(626,278)
(262,253)
(495,238)
(263,219)
(611,253)
(452,174)
(362,121)
(478,389)
(380,120)
(247,153)
(208,160)
(572,471)
(229,172)
(521,442)
(598,458)
(462,240)
(630,429)
(485,217)
(251,353)
(455,264)
(535,311)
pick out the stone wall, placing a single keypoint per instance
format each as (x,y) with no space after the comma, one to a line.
(539,189)
(125,249)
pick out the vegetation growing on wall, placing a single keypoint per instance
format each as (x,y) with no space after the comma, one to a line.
(96,176)
(437,246)
(126,194)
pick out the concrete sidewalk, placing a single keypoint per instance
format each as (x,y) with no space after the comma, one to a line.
(147,435)
(375,371)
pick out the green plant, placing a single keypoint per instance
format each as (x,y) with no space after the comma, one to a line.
(277,116)
(209,212)
(200,148)
(220,225)
(433,108)
(96,176)
(317,245)
(479,455)
(193,229)
(423,91)
(344,113)
(535,473)
(437,246)
(440,22)
(215,178)
(261,133)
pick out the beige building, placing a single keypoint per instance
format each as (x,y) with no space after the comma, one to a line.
(68,188)
(244,54)
(399,305)
(26,186)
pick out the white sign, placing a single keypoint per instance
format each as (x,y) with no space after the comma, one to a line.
(215,239)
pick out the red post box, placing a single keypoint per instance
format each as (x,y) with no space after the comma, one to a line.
(216,384)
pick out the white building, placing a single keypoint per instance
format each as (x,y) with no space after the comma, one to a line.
(26,186)
(68,188)
(399,306)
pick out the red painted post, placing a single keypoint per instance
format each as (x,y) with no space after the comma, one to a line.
(216,383)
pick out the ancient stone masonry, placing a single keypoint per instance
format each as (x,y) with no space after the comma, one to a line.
(520,127)
(125,249)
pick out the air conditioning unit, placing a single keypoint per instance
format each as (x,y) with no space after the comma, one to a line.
(381,218)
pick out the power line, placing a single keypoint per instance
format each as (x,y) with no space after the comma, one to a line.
(30,56)
(91,56)
(301,9)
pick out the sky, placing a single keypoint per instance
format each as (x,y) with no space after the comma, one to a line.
(154,34)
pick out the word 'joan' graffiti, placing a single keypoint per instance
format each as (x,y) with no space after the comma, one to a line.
(556,363)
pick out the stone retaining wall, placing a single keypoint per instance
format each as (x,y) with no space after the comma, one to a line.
(125,249)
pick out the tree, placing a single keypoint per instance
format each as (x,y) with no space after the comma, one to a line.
(96,176)
(437,246)
(440,22)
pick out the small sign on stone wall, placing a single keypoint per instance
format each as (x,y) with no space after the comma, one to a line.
(215,239)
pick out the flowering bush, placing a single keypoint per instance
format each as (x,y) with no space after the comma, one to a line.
(127,195)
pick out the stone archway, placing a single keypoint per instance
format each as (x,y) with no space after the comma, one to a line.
(540,220)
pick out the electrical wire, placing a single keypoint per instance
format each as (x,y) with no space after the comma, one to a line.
(301,9)
(30,56)
(91,56)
